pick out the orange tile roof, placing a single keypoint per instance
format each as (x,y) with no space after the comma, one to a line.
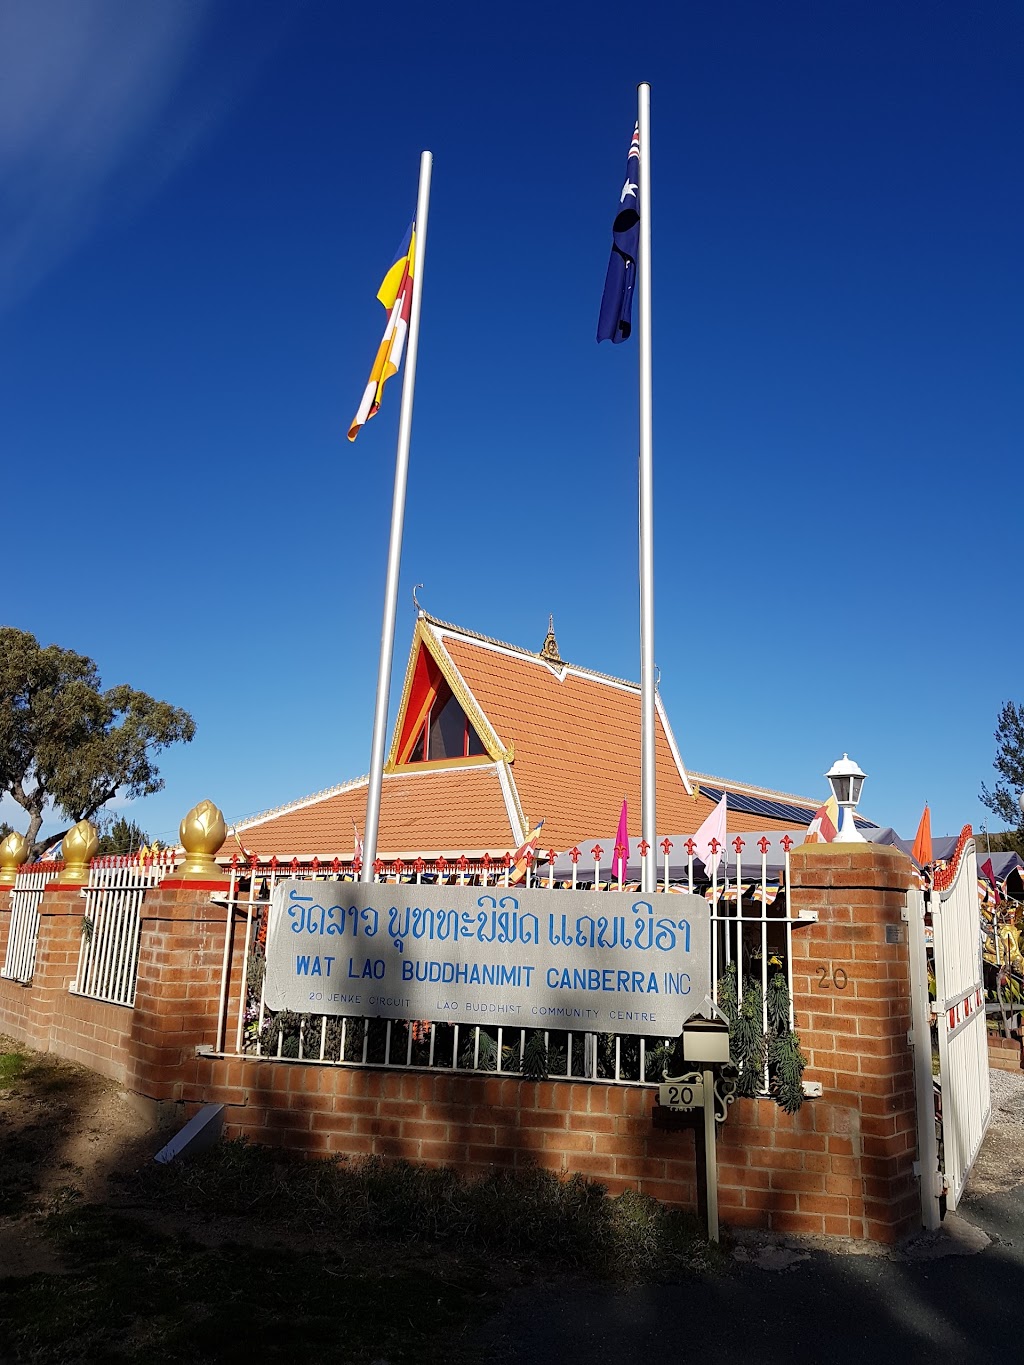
(446,811)
(575,735)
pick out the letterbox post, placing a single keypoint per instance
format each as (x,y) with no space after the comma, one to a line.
(710,1156)
(706,1042)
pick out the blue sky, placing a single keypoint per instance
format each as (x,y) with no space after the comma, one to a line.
(197,204)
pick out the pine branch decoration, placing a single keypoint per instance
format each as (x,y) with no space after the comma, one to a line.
(786,1063)
(750,1039)
(535,1058)
(751,1049)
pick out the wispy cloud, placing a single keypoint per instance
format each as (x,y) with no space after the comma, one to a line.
(84,87)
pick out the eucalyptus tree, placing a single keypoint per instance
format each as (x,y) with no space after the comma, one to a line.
(66,741)
(1009,764)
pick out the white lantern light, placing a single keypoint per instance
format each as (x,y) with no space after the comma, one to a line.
(847,780)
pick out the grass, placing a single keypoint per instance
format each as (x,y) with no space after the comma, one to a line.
(250,1252)
(12,1066)
(359,1260)
(564,1224)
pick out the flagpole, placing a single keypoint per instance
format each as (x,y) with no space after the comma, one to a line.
(648,812)
(387,634)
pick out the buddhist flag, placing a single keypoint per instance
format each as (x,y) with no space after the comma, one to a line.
(713,829)
(620,854)
(517,871)
(825,824)
(922,850)
(395,294)
(616,320)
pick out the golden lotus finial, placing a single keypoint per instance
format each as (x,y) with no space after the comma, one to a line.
(13,852)
(78,848)
(202,832)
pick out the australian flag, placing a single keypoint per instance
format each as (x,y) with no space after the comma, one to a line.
(615,322)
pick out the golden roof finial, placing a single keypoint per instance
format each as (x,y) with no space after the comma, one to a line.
(549,649)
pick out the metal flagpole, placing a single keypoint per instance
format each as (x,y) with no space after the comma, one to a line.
(647,775)
(387,634)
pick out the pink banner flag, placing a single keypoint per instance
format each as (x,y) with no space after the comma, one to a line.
(713,828)
(620,855)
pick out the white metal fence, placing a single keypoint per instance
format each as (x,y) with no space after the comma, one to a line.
(752,928)
(108,959)
(20,957)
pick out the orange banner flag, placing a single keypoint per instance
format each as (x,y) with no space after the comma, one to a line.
(922,850)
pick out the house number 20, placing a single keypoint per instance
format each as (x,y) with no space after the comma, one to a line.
(830,976)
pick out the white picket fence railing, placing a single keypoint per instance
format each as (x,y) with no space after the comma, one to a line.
(20,957)
(108,960)
(750,922)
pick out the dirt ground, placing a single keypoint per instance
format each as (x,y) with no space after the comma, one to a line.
(64,1131)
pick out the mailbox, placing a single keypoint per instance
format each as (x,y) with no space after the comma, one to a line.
(705,1040)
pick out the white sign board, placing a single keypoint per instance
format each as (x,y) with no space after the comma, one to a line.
(597,961)
(679,1094)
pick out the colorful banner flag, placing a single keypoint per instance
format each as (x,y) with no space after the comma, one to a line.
(616,320)
(520,862)
(241,847)
(713,828)
(922,850)
(825,824)
(395,294)
(620,853)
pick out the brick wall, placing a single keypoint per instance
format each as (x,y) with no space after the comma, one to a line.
(1004,1053)
(842,1165)
(46,1015)
(15,999)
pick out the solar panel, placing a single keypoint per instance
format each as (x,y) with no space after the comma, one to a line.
(759,805)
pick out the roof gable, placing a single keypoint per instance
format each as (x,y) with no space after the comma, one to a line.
(429,668)
(575,734)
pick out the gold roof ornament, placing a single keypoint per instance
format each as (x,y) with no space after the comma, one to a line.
(202,833)
(78,848)
(13,852)
(549,649)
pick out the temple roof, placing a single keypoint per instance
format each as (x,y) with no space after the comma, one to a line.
(552,741)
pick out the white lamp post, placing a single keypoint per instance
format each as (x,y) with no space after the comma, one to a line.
(846,780)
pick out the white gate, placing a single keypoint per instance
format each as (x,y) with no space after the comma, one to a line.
(958,1008)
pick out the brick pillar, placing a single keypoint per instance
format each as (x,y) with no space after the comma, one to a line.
(851,993)
(6,896)
(181,949)
(58,945)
